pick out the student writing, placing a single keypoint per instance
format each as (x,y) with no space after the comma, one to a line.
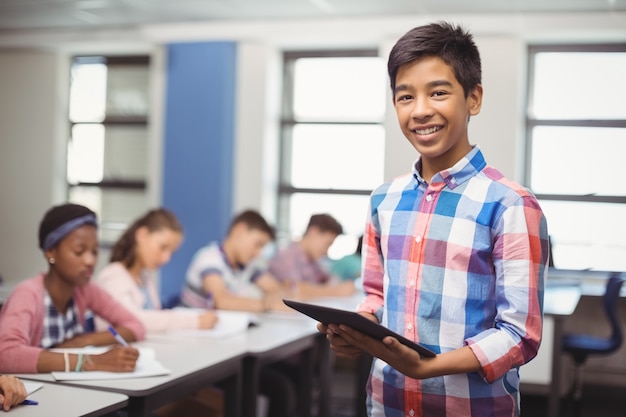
(299,265)
(52,309)
(141,250)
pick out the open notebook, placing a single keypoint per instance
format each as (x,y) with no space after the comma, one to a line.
(147,365)
(229,323)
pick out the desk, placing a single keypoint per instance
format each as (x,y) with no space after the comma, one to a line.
(559,302)
(192,367)
(279,337)
(58,400)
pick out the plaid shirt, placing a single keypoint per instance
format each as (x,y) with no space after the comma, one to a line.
(460,261)
(292,265)
(59,327)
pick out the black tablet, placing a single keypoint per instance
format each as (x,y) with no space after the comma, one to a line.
(328,315)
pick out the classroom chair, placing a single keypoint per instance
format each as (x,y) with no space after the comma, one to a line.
(580,346)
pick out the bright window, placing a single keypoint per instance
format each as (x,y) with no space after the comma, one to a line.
(332,141)
(576,146)
(106,154)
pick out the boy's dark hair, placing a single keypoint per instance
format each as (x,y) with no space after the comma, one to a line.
(454,45)
(325,223)
(253,220)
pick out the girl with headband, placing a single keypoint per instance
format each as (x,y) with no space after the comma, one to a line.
(54,309)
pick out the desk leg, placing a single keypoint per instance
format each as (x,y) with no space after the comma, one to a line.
(305,385)
(250,390)
(138,406)
(554,400)
(326,361)
(364,363)
(232,395)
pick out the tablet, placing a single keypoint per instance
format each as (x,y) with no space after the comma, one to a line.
(328,315)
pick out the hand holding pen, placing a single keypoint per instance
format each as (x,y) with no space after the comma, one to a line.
(118,337)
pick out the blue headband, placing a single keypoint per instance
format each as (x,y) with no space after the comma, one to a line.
(60,232)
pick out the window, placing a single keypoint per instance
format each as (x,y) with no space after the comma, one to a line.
(107,149)
(576,126)
(332,141)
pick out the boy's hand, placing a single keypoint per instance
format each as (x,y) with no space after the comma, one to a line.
(338,344)
(390,350)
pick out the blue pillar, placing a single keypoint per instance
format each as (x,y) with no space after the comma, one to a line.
(198,148)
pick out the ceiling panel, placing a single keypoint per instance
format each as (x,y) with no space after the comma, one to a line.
(58,14)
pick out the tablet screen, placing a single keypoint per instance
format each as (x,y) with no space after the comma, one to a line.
(328,315)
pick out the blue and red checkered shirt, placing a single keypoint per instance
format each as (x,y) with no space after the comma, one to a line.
(460,261)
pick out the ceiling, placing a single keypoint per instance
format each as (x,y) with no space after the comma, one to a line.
(21,15)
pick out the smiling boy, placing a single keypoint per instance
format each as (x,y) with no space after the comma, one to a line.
(454,254)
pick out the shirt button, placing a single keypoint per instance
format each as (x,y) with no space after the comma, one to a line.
(412,282)
(429,197)
(409,326)
(411,412)
(418,238)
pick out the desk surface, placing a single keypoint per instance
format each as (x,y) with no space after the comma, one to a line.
(181,358)
(58,400)
(561,300)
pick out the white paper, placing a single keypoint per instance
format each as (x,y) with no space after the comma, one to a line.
(147,365)
(32,386)
(228,323)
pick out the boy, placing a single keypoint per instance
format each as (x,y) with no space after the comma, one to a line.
(455,254)
(222,275)
(298,266)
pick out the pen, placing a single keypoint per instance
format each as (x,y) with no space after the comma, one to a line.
(29,402)
(117,337)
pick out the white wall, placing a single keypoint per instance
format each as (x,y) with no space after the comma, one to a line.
(32,159)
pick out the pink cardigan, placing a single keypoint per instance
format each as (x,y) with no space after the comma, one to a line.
(118,282)
(21,321)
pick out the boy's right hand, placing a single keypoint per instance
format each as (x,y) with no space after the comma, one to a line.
(117,359)
(207,320)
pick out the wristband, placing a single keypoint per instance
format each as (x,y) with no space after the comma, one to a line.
(67,361)
(79,363)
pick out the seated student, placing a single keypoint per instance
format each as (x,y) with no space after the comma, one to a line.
(54,309)
(142,249)
(299,267)
(12,391)
(225,276)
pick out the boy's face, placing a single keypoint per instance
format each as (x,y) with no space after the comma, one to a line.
(319,242)
(250,244)
(433,112)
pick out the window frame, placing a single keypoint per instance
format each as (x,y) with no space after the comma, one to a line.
(288,121)
(531,121)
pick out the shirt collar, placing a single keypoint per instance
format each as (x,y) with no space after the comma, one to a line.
(466,168)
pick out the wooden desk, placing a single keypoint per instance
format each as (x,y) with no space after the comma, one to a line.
(60,400)
(192,366)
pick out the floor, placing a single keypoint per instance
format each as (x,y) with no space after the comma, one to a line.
(597,402)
